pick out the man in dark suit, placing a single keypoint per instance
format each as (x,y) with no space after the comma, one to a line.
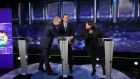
(66,29)
(91,37)
(51,31)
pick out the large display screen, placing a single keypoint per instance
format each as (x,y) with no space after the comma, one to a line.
(125,35)
(6,47)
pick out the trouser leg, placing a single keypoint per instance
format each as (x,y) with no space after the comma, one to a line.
(70,62)
(46,60)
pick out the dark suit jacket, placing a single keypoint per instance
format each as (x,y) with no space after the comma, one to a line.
(49,34)
(91,39)
(69,30)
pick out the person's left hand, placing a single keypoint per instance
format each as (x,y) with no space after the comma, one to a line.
(70,38)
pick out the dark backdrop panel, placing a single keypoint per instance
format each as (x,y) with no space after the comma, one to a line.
(53,10)
(38,12)
(104,11)
(85,10)
(69,8)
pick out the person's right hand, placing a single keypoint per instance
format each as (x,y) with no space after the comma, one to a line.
(70,38)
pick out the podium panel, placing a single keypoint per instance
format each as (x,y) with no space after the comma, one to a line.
(109,46)
(64,55)
(22,53)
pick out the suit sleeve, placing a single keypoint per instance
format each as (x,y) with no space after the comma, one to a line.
(101,34)
(60,30)
(45,38)
(55,33)
(72,30)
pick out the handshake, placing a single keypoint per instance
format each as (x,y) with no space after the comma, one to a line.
(68,38)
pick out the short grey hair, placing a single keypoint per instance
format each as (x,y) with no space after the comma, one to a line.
(57,19)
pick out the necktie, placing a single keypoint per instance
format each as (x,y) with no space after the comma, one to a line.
(65,26)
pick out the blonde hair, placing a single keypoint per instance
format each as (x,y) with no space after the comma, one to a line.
(57,19)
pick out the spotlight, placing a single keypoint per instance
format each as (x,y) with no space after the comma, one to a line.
(97,59)
(97,65)
(26,56)
(18,58)
(136,63)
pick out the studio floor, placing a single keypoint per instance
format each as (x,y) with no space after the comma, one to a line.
(79,72)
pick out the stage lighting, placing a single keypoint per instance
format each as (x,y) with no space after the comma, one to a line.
(97,59)
(97,65)
(26,56)
(136,63)
(18,58)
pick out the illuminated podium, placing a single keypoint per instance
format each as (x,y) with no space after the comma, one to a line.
(22,46)
(63,42)
(109,46)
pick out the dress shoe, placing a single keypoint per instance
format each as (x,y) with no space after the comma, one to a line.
(71,71)
(52,73)
(41,69)
(93,73)
(103,76)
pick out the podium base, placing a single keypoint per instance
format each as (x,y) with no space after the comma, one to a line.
(68,77)
(20,76)
(107,78)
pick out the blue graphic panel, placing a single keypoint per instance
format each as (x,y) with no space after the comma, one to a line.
(6,45)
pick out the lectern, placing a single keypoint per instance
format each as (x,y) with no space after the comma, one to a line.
(22,46)
(63,42)
(109,46)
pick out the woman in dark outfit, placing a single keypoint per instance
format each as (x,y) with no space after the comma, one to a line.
(91,37)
